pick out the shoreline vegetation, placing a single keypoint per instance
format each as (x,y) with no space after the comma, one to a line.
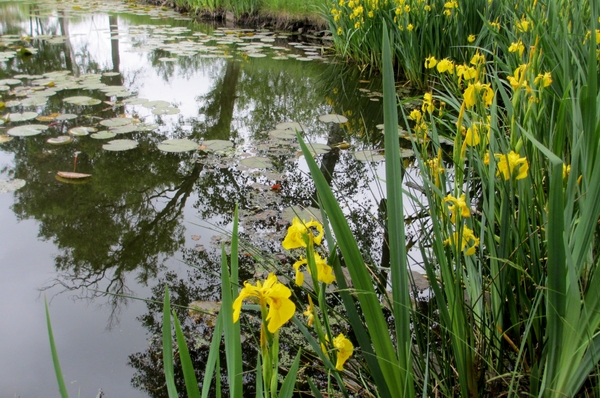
(511,242)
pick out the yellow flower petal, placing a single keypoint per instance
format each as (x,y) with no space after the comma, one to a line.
(344,349)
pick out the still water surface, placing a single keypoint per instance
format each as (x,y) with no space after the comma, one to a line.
(147,217)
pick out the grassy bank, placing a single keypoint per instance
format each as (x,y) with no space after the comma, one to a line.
(290,15)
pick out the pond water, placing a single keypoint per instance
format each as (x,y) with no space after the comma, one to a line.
(152,213)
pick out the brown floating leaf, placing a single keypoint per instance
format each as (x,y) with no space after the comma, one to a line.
(71,175)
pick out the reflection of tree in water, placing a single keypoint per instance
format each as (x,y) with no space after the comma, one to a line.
(201,283)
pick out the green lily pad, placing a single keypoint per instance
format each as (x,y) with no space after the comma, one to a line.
(317,148)
(37,100)
(166,111)
(10,82)
(10,104)
(303,213)
(146,126)
(111,74)
(120,145)
(216,145)
(81,131)
(290,126)
(21,117)
(66,116)
(116,122)
(130,128)
(60,140)
(256,162)
(104,135)
(333,118)
(368,156)
(283,134)
(27,130)
(135,101)
(177,145)
(156,104)
(82,100)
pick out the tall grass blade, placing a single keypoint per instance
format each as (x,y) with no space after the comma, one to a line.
(213,356)
(59,376)
(395,221)
(287,388)
(233,345)
(167,342)
(189,375)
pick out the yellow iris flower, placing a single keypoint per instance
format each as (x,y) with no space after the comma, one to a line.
(271,293)
(445,65)
(310,312)
(511,163)
(296,232)
(470,94)
(324,271)
(466,238)
(344,349)
(459,206)
(430,62)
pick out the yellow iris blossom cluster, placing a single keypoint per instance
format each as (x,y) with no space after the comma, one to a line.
(271,293)
(510,164)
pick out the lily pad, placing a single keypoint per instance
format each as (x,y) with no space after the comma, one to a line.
(177,145)
(283,134)
(10,82)
(20,117)
(368,156)
(66,116)
(124,129)
(217,145)
(11,185)
(37,100)
(82,100)
(166,111)
(27,130)
(60,140)
(333,118)
(290,126)
(257,162)
(135,101)
(103,135)
(116,122)
(120,145)
(5,138)
(317,148)
(303,213)
(156,104)
(81,131)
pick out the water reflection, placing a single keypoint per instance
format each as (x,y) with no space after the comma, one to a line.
(119,230)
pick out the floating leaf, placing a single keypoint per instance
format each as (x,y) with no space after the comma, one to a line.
(124,129)
(217,145)
(66,116)
(103,135)
(156,104)
(368,156)
(303,213)
(116,122)
(290,126)
(5,138)
(82,100)
(333,118)
(135,101)
(177,145)
(81,131)
(120,145)
(28,130)
(20,117)
(60,140)
(11,185)
(256,162)
(317,148)
(110,74)
(166,111)
(10,104)
(10,82)
(283,134)
(72,175)
(36,100)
